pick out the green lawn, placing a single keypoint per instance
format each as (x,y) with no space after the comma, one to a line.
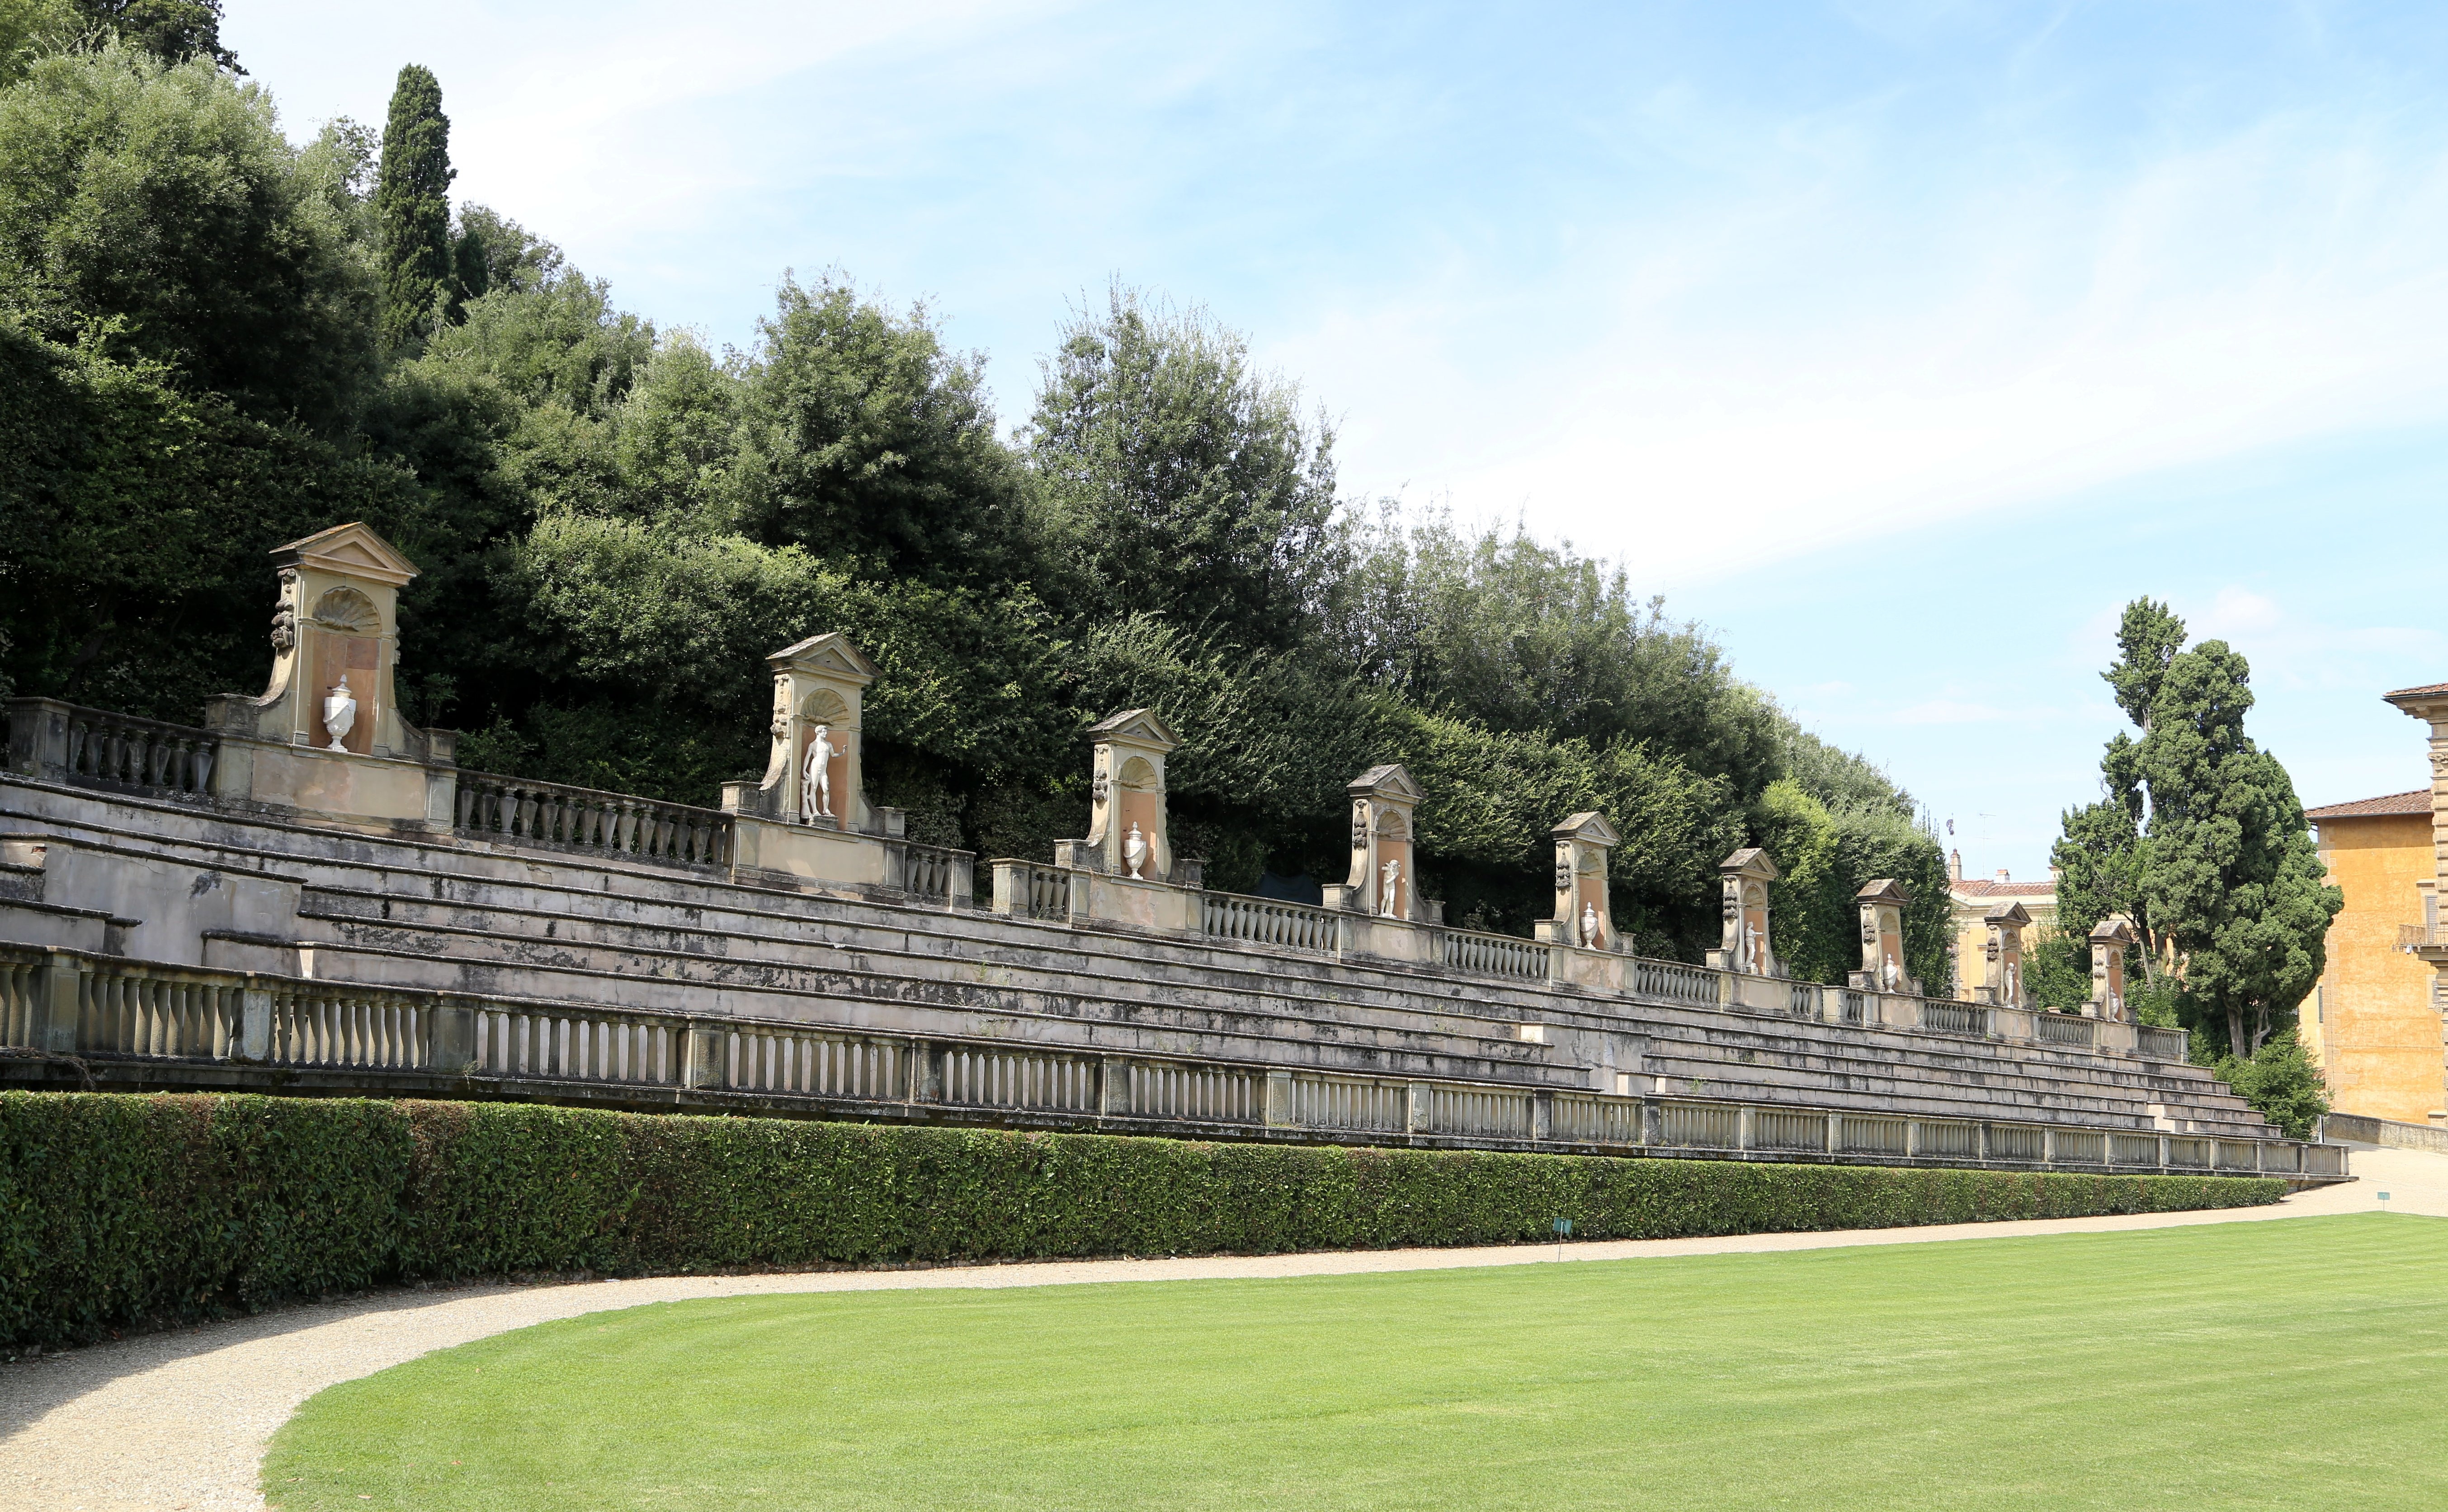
(2297,1364)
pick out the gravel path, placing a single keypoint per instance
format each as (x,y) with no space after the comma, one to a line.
(180,1420)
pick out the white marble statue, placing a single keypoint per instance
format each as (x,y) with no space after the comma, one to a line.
(2014,986)
(1590,925)
(1751,948)
(1135,851)
(340,714)
(816,782)
(2117,1006)
(1389,895)
(1893,974)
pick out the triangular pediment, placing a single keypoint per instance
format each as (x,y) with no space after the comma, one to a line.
(1590,828)
(828,655)
(2115,930)
(1886,890)
(2007,913)
(1751,861)
(351,551)
(1137,727)
(1389,781)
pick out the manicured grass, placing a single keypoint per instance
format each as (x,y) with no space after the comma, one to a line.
(2295,1364)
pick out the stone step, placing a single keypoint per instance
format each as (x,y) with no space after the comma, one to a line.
(528,922)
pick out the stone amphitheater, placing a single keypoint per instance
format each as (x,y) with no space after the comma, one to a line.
(306,894)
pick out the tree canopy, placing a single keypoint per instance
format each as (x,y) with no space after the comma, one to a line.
(2200,840)
(214,341)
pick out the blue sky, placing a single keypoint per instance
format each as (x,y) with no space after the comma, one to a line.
(1901,343)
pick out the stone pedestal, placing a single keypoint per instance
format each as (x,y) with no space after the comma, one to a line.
(2110,938)
(1384,882)
(1881,907)
(326,737)
(1747,946)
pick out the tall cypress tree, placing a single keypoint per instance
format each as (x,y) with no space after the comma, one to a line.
(412,207)
(2200,839)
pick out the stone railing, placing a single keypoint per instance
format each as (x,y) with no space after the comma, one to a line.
(128,1019)
(2418,936)
(1802,998)
(2159,1044)
(67,742)
(1672,981)
(1948,1017)
(1268,920)
(584,819)
(2065,1028)
(1498,955)
(1851,1006)
(937,873)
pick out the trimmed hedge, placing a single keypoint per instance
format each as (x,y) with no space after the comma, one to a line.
(117,1209)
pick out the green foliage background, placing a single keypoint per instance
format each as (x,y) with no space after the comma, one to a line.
(116,1210)
(212,341)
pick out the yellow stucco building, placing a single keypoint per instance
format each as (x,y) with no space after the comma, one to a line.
(1971,901)
(2370,1023)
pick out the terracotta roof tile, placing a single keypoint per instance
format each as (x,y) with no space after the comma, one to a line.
(2417,801)
(2417,693)
(1972,887)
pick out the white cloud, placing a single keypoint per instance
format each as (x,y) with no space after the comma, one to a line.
(1810,363)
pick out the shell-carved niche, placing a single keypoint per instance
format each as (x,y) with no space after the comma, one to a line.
(1138,776)
(1390,827)
(824,706)
(347,612)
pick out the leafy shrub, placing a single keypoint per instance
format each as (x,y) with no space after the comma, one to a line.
(117,1209)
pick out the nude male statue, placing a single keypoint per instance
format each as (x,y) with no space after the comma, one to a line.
(1389,903)
(816,782)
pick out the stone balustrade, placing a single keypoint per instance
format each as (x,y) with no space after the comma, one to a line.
(550,814)
(241,1029)
(61,742)
(67,742)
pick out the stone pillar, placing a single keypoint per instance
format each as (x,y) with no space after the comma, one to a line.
(1881,905)
(1581,916)
(819,685)
(1126,794)
(2001,958)
(1746,946)
(2110,938)
(1384,882)
(2430,704)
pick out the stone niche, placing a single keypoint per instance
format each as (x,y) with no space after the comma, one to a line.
(326,736)
(2001,976)
(1582,918)
(818,685)
(1129,835)
(1880,905)
(2110,938)
(1382,883)
(1746,945)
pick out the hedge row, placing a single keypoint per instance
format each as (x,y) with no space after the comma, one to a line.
(116,1208)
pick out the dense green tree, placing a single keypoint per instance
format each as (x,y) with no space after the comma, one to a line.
(160,213)
(876,444)
(172,30)
(2280,1083)
(2102,855)
(2233,877)
(1181,480)
(413,211)
(135,520)
(1502,629)
(2200,840)
(1826,854)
